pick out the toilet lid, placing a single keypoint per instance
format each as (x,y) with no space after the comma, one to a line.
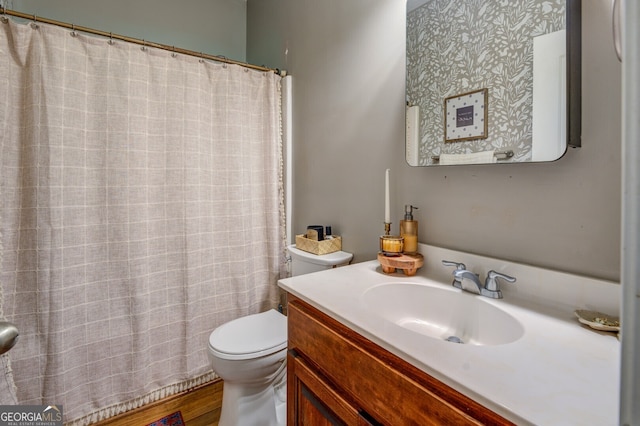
(251,336)
(329,259)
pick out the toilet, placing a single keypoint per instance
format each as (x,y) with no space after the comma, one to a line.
(249,354)
(303,262)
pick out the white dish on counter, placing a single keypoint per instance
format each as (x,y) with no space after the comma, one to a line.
(598,320)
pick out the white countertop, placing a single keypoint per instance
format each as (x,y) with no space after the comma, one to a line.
(559,373)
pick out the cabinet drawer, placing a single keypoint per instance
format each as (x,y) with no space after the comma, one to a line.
(380,383)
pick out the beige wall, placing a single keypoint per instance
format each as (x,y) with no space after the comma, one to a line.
(347,60)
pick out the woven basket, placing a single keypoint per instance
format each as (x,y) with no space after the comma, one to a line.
(318,247)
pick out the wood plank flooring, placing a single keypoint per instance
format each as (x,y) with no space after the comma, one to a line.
(199,406)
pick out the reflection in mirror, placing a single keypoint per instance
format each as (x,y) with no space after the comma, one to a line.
(491,81)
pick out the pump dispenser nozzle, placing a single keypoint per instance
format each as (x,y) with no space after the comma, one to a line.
(408,212)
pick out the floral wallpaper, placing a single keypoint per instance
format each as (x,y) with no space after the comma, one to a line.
(459,46)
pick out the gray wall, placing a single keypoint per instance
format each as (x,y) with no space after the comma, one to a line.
(347,60)
(216,27)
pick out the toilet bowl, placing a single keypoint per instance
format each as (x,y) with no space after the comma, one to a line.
(249,355)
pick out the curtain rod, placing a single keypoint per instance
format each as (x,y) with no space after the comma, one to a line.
(143,43)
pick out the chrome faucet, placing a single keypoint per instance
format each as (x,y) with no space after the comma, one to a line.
(491,287)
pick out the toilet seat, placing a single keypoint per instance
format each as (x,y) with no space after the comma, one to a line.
(249,337)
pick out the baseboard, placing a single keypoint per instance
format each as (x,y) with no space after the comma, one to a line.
(199,406)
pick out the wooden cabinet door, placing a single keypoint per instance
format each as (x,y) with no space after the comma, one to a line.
(311,401)
(338,374)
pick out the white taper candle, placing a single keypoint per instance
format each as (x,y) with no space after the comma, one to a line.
(387,208)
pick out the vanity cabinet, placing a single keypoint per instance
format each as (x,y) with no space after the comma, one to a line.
(338,377)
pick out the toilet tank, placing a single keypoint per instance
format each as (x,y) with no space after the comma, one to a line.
(303,262)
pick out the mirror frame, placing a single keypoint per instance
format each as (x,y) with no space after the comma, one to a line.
(573,26)
(574,73)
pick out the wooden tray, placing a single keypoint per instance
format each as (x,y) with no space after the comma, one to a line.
(408,263)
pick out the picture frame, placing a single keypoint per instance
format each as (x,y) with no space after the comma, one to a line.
(466,116)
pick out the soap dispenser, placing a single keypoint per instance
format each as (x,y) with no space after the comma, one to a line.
(409,231)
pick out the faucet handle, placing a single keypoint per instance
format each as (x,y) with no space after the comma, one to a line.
(491,283)
(459,266)
(457,281)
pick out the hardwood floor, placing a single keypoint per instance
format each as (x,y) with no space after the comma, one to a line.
(199,406)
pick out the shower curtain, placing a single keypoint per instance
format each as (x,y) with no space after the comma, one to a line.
(141,207)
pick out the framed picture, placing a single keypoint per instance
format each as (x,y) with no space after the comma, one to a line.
(465,116)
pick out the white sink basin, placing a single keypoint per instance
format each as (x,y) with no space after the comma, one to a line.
(443,313)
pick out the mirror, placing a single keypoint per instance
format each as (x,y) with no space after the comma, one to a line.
(492,81)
